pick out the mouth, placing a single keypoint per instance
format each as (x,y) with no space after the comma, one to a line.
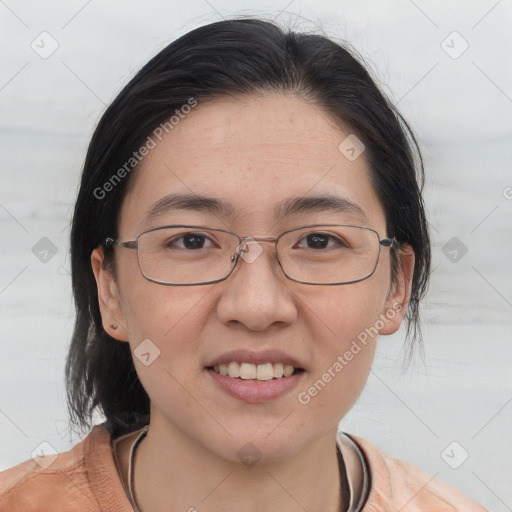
(255,377)
(259,372)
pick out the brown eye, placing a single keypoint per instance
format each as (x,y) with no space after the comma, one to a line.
(321,241)
(192,241)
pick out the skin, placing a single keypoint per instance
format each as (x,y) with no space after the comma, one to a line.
(254,152)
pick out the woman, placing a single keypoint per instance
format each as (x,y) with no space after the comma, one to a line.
(249,221)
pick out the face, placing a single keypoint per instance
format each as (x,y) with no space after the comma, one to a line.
(255,154)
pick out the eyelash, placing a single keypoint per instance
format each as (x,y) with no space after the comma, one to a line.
(338,241)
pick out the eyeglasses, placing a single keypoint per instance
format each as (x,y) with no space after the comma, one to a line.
(182,255)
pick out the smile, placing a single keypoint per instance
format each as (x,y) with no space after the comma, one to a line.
(253,383)
(249,371)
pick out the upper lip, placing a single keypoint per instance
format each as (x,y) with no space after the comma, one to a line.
(251,356)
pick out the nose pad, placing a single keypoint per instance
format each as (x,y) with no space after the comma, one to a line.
(249,250)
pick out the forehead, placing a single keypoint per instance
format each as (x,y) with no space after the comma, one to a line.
(255,155)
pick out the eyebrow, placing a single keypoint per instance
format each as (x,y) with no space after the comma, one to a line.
(291,206)
(189,202)
(318,203)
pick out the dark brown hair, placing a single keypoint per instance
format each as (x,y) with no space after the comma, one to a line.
(226,58)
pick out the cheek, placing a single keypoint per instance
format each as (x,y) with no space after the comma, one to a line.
(155,311)
(343,313)
(164,331)
(331,393)
(164,328)
(345,337)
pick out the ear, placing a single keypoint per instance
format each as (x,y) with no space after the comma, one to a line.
(108,297)
(400,293)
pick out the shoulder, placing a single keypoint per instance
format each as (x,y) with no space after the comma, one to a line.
(83,478)
(397,485)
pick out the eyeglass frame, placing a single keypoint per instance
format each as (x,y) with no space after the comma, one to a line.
(133,244)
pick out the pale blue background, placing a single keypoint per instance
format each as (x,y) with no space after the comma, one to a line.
(461,110)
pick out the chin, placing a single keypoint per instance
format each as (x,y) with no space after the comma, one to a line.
(261,445)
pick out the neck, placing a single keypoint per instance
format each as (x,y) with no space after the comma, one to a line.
(171,469)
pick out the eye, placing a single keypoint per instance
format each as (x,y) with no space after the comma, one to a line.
(189,241)
(321,241)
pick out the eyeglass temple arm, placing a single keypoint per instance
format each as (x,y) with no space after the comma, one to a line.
(387,242)
(132,244)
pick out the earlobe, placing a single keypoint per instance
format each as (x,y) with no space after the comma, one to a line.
(108,297)
(400,294)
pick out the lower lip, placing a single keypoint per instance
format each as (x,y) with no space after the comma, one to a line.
(256,391)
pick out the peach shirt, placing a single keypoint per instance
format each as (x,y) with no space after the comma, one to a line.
(85,479)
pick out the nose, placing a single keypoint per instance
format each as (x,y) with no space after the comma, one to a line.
(257,294)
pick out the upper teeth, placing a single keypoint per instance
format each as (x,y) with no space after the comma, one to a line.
(266,371)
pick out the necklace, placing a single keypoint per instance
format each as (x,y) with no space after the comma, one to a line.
(131,463)
(347,504)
